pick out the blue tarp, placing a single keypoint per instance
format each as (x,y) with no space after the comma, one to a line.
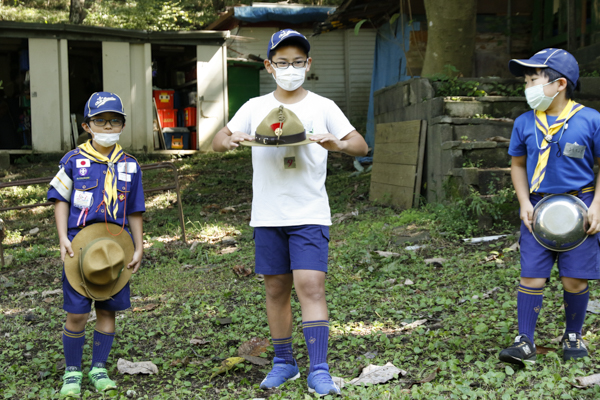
(292,15)
(389,66)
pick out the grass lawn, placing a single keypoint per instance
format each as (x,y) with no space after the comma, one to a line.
(443,323)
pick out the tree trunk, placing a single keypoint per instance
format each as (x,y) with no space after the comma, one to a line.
(450,36)
(77,12)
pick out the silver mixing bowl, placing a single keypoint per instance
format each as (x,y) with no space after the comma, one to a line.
(560,222)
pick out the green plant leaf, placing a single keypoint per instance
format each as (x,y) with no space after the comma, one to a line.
(358,25)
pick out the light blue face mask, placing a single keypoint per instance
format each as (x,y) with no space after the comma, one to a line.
(537,99)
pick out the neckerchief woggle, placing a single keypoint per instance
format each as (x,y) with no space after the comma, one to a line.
(110,182)
(548,132)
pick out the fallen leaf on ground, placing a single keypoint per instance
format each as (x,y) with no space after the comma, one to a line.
(48,300)
(51,292)
(413,325)
(256,360)
(226,365)
(187,266)
(586,381)
(253,347)
(594,306)
(199,342)
(242,271)
(377,374)
(34,231)
(430,377)
(387,253)
(437,262)
(184,361)
(260,277)
(408,282)
(229,250)
(147,307)
(211,207)
(135,368)
(543,350)
(227,210)
(224,321)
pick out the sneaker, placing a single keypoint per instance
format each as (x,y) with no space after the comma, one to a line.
(522,351)
(320,381)
(573,346)
(280,374)
(99,378)
(71,382)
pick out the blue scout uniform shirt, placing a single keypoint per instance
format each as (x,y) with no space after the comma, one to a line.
(564,173)
(88,176)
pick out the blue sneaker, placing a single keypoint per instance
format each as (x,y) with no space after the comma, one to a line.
(320,381)
(280,374)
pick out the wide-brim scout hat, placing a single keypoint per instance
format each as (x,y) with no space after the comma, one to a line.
(559,60)
(98,270)
(281,127)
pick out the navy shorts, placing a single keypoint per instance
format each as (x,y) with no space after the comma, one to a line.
(75,303)
(583,262)
(280,250)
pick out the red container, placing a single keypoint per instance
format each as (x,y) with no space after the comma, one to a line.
(190,116)
(163,98)
(168,118)
(193,139)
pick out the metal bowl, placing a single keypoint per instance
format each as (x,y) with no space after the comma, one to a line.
(560,222)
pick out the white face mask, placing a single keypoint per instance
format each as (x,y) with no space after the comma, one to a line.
(106,139)
(289,78)
(537,99)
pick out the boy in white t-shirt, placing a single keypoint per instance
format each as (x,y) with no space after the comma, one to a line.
(290,208)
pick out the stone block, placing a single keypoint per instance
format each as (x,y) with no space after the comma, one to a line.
(463,109)
(443,131)
(481,132)
(486,158)
(4,160)
(508,109)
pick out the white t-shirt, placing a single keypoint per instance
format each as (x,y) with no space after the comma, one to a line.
(288,183)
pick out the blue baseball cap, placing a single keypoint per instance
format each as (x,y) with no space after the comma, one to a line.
(287,34)
(559,60)
(101,102)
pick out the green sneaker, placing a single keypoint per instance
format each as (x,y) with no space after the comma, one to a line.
(71,382)
(99,378)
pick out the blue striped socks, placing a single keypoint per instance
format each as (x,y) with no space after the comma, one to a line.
(316,334)
(102,344)
(283,349)
(575,309)
(73,347)
(529,304)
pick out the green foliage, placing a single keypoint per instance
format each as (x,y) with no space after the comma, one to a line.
(152,15)
(452,86)
(499,89)
(589,73)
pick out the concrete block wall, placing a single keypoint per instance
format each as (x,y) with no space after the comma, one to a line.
(459,153)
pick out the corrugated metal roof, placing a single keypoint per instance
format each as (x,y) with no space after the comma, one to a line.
(94,33)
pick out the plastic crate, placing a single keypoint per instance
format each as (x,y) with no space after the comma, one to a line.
(190,116)
(177,138)
(163,98)
(168,118)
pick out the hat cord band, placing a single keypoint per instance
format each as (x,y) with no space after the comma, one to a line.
(274,140)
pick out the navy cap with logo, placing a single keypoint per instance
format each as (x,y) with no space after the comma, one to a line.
(559,60)
(287,35)
(101,102)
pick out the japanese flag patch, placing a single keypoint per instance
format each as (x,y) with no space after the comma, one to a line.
(83,163)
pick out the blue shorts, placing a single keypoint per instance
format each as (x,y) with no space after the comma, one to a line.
(583,262)
(75,303)
(280,250)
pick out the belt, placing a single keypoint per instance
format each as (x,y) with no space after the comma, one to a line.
(572,192)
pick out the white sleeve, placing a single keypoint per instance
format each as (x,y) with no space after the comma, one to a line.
(242,119)
(337,123)
(63,184)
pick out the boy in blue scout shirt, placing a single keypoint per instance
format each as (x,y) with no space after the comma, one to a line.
(290,208)
(97,183)
(553,149)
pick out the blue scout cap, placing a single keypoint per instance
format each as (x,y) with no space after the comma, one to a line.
(284,35)
(559,60)
(101,102)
